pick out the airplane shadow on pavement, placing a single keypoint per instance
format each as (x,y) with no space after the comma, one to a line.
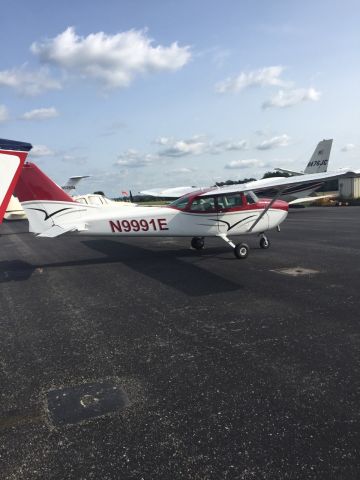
(166,266)
(163,265)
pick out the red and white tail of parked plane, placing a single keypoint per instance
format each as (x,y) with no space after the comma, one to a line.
(13,156)
(214,212)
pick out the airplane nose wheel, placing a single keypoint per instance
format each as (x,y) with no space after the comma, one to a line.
(241,250)
(198,243)
(264,242)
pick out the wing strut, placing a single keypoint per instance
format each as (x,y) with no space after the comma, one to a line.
(266,209)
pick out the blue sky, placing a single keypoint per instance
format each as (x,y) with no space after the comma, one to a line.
(143,94)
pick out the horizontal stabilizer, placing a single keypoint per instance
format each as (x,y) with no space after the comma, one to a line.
(56,230)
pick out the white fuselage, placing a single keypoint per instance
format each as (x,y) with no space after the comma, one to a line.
(147,221)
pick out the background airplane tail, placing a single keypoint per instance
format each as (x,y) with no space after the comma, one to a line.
(73,182)
(12,158)
(320,158)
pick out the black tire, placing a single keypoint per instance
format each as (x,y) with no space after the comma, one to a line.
(241,250)
(264,243)
(198,243)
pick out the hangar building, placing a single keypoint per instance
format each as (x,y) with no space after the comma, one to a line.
(349,187)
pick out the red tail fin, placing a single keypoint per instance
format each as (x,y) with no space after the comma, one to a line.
(33,184)
(12,157)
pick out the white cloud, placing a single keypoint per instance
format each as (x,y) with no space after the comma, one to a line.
(228,146)
(134,159)
(274,142)
(76,160)
(288,98)
(114,60)
(4,114)
(184,170)
(220,57)
(29,83)
(348,147)
(41,151)
(194,146)
(113,128)
(260,78)
(247,163)
(198,145)
(41,114)
(163,141)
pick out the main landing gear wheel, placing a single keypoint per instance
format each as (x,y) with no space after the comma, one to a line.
(264,242)
(241,250)
(198,243)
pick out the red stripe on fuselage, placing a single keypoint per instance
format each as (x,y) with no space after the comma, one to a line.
(278,204)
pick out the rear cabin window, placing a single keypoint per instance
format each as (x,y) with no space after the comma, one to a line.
(231,200)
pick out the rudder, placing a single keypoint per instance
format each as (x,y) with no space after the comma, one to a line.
(12,158)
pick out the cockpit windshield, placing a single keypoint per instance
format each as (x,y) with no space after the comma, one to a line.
(180,203)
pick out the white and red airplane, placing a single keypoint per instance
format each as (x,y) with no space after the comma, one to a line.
(215,212)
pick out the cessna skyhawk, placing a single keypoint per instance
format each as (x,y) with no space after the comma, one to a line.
(215,212)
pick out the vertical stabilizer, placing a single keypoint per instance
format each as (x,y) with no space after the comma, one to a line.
(320,158)
(50,210)
(12,158)
(33,184)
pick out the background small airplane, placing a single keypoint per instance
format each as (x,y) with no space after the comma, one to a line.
(90,198)
(298,194)
(100,200)
(15,210)
(217,212)
(318,162)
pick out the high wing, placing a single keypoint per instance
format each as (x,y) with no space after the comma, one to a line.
(175,192)
(280,184)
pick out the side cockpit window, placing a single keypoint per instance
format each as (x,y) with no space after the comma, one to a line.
(203,204)
(251,198)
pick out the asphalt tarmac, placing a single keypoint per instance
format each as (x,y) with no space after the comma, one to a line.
(143,359)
